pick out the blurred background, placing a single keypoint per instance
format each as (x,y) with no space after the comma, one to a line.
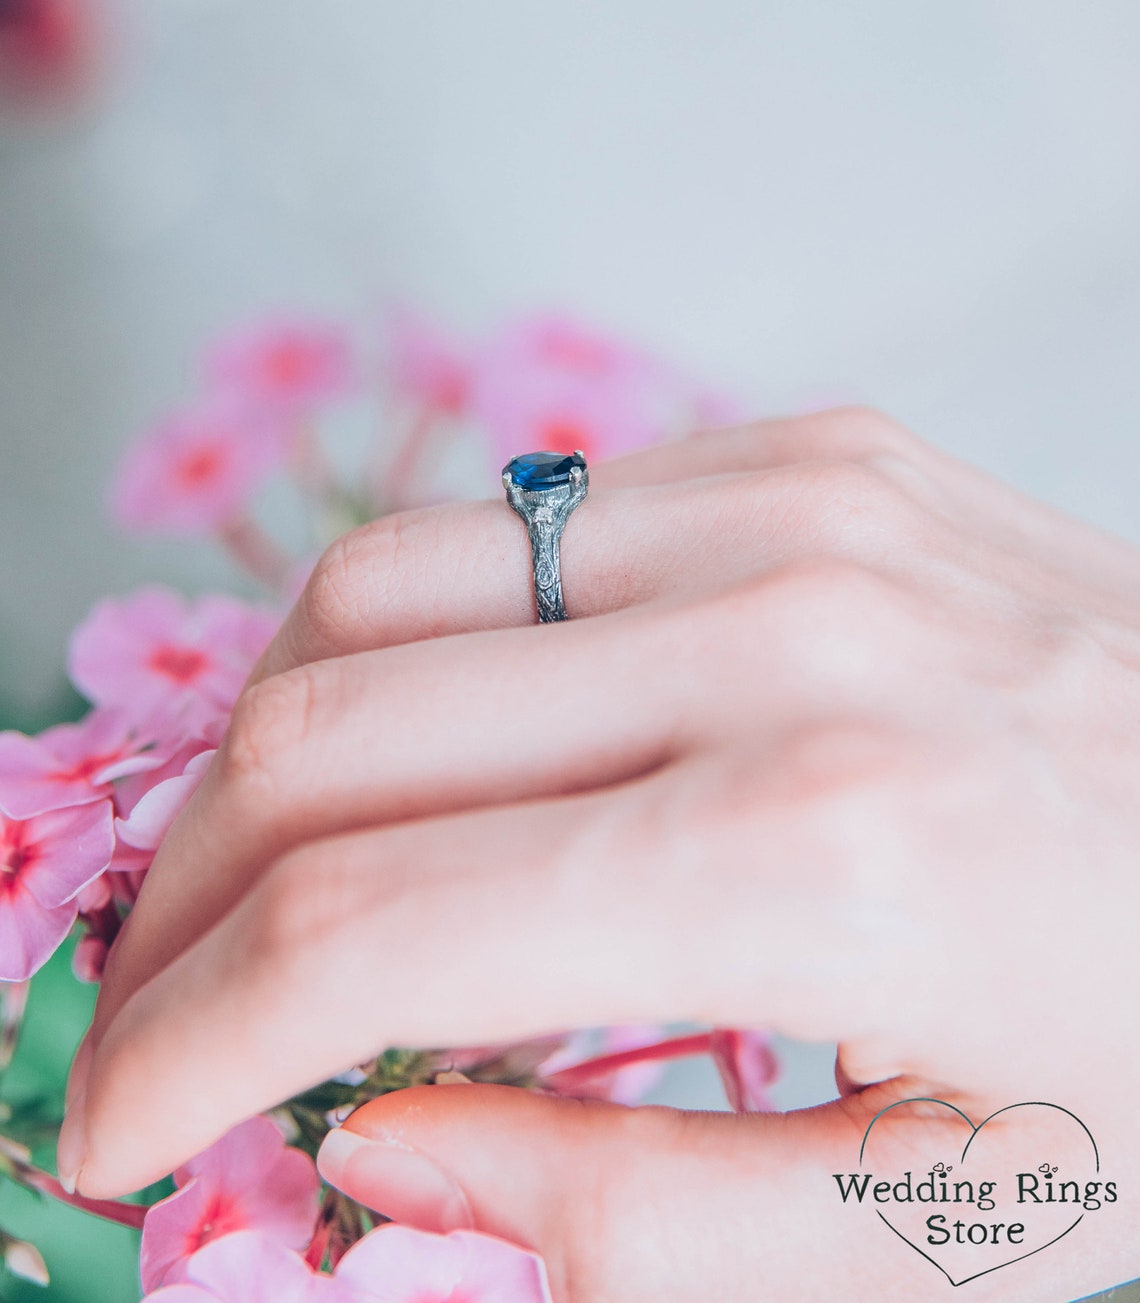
(932,208)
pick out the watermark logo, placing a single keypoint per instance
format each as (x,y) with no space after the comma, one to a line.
(992,1194)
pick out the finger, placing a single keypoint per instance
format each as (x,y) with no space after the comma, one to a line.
(465,567)
(499,924)
(641,1205)
(840,434)
(983,505)
(302,758)
(624,724)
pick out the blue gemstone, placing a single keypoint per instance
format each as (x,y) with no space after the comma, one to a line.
(542,470)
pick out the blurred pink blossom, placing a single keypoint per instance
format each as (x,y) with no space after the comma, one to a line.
(45,862)
(248,1180)
(427,365)
(73,764)
(197,470)
(549,383)
(155,654)
(89,959)
(126,878)
(392,1264)
(625,1085)
(709,409)
(48,49)
(291,364)
(747,1065)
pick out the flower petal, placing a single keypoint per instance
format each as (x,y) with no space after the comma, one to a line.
(30,933)
(395,1263)
(150,820)
(182,1294)
(247,1267)
(72,847)
(249,1180)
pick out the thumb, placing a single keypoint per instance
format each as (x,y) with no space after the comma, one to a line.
(649,1204)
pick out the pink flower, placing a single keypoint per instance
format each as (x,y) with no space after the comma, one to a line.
(149,803)
(397,1264)
(626,1085)
(392,1264)
(291,364)
(150,819)
(197,470)
(427,366)
(248,1180)
(73,764)
(45,862)
(747,1065)
(548,383)
(155,654)
(247,1267)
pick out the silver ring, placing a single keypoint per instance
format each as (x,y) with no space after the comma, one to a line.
(544,488)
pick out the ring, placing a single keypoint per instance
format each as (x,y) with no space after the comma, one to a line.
(544,488)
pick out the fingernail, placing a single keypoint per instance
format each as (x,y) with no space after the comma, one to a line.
(394,1179)
(71,1147)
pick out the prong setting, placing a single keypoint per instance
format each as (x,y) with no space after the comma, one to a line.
(543,490)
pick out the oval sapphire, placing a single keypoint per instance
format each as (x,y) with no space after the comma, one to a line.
(543,470)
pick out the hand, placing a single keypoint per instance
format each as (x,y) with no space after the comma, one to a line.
(848,750)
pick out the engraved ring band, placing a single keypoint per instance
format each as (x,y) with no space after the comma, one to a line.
(544,488)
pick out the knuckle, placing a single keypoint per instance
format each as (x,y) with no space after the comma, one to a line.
(358,574)
(826,626)
(828,595)
(332,598)
(865,431)
(845,503)
(826,768)
(268,731)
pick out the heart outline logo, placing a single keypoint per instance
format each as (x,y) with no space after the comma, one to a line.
(974,1130)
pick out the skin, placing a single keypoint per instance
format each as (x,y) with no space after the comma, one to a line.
(846,747)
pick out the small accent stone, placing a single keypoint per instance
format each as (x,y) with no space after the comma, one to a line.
(538,471)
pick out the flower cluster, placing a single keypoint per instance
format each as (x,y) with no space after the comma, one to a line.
(240,1226)
(392,1264)
(84,806)
(542,382)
